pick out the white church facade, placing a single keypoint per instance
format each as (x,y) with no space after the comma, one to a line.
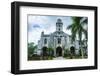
(58,41)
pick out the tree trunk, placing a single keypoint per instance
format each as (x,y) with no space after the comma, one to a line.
(82,53)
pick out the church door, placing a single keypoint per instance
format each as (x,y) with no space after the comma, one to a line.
(58,51)
(72,50)
(44,49)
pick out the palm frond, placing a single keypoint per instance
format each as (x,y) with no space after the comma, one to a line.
(84,21)
(86,33)
(70,26)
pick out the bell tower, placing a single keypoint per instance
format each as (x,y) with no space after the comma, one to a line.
(59,25)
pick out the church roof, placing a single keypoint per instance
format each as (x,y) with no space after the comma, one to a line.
(61,32)
(46,35)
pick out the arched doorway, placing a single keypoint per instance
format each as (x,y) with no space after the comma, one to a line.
(59,51)
(72,50)
(44,49)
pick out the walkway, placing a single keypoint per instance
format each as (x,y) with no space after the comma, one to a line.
(59,58)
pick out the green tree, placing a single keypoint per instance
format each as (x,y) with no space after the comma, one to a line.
(50,51)
(31,48)
(66,52)
(77,29)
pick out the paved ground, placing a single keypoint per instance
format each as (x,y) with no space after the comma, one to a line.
(59,58)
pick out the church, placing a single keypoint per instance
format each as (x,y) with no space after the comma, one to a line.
(58,41)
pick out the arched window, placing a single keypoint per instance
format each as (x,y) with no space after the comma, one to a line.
(59,25)
(45,41)
(59,40)
(59,29)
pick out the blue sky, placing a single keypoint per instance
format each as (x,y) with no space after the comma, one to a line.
(37,24)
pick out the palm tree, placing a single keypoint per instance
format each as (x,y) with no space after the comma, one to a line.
(77,29)
(85,22)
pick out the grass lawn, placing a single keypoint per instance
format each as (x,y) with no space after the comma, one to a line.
(36,57)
